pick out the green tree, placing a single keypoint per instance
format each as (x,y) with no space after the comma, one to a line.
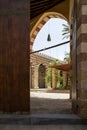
(48,77)
(66,31)
(67,60)
(54,63)
(67,57)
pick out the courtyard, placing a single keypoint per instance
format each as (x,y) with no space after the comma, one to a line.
(50,102)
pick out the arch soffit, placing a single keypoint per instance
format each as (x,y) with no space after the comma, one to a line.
(41,22)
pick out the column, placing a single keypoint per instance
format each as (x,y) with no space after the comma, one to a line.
(80,49)
(82,57)
(54,83)
(65,79)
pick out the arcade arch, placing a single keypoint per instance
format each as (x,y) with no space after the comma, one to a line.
(41,22)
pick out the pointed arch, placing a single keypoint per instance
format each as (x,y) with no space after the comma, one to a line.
(41,22)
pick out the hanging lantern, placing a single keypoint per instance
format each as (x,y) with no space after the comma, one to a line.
(48,38)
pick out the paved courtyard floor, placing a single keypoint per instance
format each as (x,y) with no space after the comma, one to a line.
(50,102)
(43,102)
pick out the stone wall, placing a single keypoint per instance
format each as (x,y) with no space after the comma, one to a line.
(80,51)
(36,60)
(82,56)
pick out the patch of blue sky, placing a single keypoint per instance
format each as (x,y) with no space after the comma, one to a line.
(53,27)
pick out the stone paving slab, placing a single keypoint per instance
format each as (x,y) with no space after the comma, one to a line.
(50,103)
(42,119)
(43,127)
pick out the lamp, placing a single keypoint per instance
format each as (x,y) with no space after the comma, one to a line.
(48,38)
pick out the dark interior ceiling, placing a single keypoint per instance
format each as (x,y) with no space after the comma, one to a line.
(39,6)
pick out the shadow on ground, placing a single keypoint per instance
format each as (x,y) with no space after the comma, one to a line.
(50,106)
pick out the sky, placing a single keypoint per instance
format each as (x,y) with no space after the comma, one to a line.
(53,27)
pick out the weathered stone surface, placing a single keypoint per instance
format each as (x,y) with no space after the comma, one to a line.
(80,48)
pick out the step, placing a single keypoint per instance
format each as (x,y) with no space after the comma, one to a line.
(41,119)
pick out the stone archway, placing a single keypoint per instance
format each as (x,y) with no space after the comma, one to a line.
(41,22)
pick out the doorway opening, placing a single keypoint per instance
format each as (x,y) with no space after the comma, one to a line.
(50,87)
